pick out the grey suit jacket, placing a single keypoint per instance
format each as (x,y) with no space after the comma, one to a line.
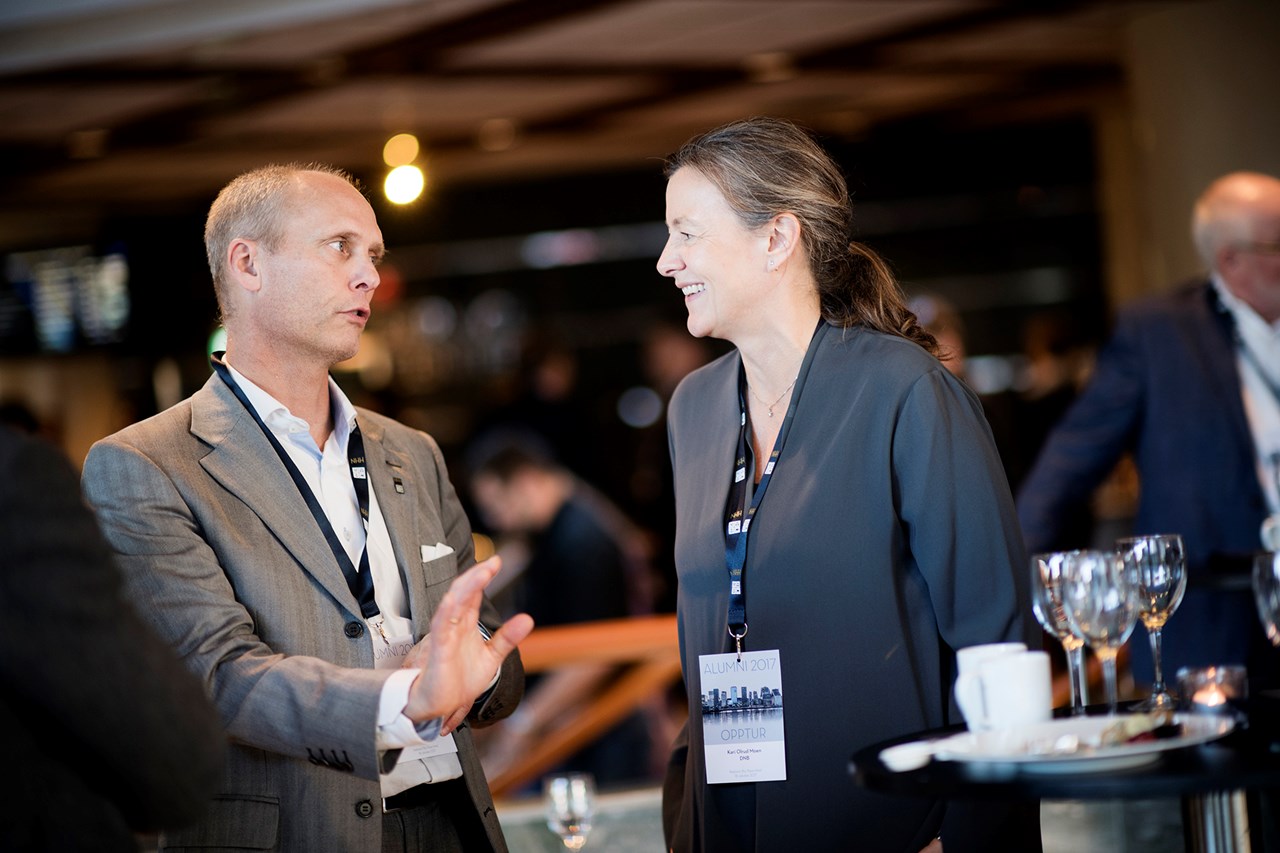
(886,539)
(222,555)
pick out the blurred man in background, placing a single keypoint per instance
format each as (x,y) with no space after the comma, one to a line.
(1189,384)
(582,561)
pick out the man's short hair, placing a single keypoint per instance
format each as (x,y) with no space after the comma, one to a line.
(253,207)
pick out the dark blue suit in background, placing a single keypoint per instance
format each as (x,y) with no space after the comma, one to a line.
(1167,389)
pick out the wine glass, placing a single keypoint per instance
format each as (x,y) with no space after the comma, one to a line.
(1046,603)
(1266,593)
(1101,603)
(570,801)
(1158,566)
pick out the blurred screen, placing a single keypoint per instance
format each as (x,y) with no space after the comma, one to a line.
(60,300)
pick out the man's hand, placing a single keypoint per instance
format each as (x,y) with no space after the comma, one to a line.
(457,664)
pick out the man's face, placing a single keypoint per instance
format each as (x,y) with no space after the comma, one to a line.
(500,503)
(316,285)
(1251,268)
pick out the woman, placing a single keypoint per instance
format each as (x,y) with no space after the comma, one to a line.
(882,536)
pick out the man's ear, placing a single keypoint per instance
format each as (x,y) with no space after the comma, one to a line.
(242,257)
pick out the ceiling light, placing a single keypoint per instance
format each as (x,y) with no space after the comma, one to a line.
(497,134)
(400,150)
(87,144)
(771,67)
(404,184)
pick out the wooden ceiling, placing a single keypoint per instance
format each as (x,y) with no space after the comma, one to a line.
(116,103)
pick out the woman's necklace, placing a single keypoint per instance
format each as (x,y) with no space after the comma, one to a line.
(770,406)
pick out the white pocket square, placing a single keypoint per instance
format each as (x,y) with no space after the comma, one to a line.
(435,552)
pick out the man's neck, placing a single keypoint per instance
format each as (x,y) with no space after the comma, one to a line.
(301,388)
(1261,301)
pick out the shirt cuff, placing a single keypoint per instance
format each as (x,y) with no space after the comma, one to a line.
(395,730)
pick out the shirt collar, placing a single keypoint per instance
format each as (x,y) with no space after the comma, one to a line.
(1248,321)
(278,417)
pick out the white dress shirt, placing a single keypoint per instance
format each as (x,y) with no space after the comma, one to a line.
(328,474)
(1259,389)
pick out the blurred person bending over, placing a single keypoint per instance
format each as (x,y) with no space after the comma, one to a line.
(882,536)
(106,733)
(1189,384)
(304,556)
(582,565)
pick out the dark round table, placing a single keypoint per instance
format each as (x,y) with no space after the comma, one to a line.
(1219,782)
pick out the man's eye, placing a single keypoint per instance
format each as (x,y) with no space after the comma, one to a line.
(340,245)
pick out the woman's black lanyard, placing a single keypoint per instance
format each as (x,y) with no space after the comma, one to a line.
(743,504)
(359,582)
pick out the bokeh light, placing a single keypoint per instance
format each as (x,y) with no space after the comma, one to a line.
(404,184)
(400,150)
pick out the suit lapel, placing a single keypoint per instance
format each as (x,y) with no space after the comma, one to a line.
(246,465)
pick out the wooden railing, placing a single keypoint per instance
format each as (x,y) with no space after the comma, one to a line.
(646,652)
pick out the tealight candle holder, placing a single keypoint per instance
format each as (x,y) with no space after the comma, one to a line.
(1213,689)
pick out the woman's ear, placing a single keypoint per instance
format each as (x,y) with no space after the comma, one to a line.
(784,239)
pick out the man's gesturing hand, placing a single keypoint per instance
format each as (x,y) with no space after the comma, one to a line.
(459,664)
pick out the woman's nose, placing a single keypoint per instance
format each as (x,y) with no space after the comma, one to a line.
(668,261)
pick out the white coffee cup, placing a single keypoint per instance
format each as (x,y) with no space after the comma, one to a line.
(970,658)
(1000,691)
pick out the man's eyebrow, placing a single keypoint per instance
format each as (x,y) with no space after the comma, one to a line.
(379,252)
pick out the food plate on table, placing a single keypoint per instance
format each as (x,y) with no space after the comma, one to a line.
(1070,744)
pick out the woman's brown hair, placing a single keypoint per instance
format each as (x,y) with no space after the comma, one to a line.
(767,166)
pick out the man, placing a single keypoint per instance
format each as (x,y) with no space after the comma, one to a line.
(584,560)
(585,557)
(293,549)
(106,732)
(1190,385)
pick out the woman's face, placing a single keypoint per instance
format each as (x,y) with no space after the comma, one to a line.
(711,256)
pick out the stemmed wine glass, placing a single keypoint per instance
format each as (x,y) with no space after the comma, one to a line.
(570,802)
(1266,593)
(1158,566)
(1046,603)
(1101,603)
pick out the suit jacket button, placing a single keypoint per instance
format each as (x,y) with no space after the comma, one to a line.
(364,808)
(353,629)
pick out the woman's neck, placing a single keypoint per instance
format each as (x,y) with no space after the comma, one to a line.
(772,357)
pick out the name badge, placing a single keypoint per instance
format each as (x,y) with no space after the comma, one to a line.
(742,732)
(389,653)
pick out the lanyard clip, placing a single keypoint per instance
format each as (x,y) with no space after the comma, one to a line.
(737,638)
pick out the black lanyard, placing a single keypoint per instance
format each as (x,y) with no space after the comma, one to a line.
(743,503)
(359,582)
